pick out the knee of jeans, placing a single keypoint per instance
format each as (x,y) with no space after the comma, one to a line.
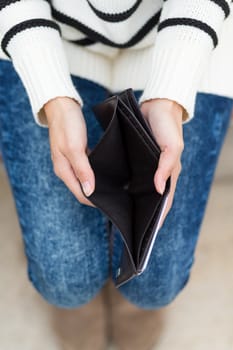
(153,295)
(64,287)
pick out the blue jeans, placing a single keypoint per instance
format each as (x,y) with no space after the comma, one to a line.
(66,242)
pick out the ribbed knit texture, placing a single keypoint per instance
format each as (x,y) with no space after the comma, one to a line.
(170,49)
(174,79)
(167,83)
(48,76)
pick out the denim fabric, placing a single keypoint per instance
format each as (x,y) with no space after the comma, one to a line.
(66,242)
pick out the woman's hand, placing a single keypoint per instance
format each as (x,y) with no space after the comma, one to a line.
(165,119)
(68,144)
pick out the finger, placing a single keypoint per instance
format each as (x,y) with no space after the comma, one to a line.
(167,162)
(174,179)
(64,171)
(82,169)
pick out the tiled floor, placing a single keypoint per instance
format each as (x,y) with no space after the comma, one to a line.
(201,318)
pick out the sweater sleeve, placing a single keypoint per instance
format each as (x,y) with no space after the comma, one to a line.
(187,34)
(32,40)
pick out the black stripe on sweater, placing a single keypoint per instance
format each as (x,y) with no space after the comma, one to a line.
(36,22)
(224,6)
(83,42)
(115,17)
(97,37)
(4,3)
(192,23)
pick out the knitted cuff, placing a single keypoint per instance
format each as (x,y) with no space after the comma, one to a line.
(39,59)
(175,74)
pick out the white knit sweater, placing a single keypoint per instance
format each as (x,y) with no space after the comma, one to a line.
(169,49)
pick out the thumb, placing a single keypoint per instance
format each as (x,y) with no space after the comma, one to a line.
(167,162)
(82,169)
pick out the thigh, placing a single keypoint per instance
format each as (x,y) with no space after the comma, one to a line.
(172,256)
(66,242)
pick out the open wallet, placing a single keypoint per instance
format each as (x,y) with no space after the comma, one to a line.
(124,162)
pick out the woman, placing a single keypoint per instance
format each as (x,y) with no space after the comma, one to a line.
(58,59)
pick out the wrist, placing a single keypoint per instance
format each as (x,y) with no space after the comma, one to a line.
(60,105)
(162,106)
(165,104)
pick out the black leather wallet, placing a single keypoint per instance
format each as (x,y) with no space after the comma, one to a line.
(124,162)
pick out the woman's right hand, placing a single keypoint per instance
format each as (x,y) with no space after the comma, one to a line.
(68,145)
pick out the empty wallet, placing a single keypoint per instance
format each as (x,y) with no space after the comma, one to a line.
(124,162)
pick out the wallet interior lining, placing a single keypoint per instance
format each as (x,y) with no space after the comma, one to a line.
(141,193)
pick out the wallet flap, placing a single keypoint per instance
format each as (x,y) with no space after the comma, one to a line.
(105,111)
(130,101)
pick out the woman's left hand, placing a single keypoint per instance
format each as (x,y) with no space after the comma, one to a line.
(165,119)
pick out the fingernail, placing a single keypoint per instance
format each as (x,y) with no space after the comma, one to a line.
(86,188)
(162,186)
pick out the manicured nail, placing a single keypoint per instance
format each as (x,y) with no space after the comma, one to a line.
(162,186)
(86,188)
